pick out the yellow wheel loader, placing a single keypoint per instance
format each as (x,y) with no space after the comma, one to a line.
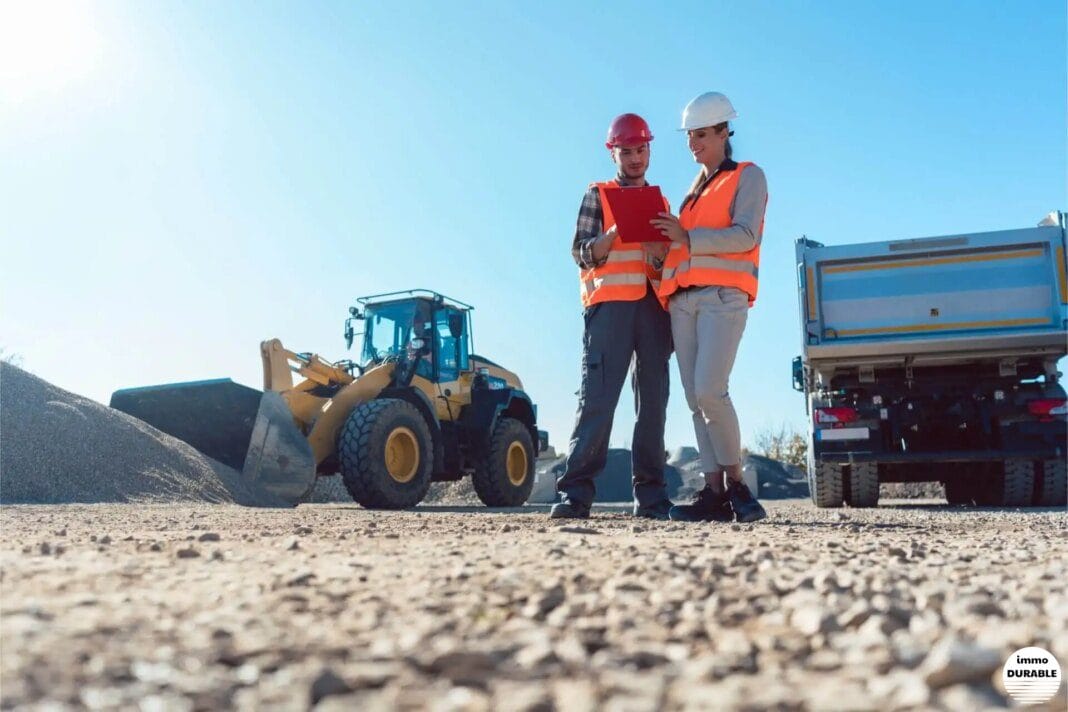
(417,407)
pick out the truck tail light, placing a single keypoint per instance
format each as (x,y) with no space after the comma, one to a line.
(1048,407)
(827,416)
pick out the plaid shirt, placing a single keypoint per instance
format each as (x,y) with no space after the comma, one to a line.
(590,226)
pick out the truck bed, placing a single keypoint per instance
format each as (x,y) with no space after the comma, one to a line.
(935,300)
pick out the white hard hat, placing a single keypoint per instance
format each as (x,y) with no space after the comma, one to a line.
(708,109)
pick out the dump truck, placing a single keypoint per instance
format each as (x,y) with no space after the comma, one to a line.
(935,359)
(416,407)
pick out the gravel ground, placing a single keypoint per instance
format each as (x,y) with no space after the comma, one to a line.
(337,607)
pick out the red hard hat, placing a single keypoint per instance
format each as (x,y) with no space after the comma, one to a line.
(628,130)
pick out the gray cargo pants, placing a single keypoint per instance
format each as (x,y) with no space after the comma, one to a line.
(617,334)
(707,325)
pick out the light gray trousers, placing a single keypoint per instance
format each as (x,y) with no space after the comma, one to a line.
(707,325)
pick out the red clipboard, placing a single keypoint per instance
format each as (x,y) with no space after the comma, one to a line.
(633,208)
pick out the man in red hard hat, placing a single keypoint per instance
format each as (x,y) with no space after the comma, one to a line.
(626,329)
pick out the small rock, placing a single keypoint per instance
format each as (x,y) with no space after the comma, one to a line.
(292,544)
(544,602)
(578,530)
(521,697)
(811,620)
(209,536)
(954,660)
(971,697)
(189,553)
(327,683)
(535,656)
(902,690)
(301,578)
(463,667)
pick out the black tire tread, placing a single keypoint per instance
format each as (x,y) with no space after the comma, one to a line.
(863,484)
(490,479)
(825,484)
(1052,483)
(1013,486)
(360,447)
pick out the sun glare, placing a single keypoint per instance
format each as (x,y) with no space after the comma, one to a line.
(45,46)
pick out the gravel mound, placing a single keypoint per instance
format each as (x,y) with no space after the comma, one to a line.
(59,447)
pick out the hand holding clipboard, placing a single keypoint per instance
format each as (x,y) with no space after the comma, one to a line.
(634,209)
(670,229)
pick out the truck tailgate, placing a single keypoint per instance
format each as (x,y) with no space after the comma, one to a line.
(962,293)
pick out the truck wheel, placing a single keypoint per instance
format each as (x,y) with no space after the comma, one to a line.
(1052,483)
(385,454)
(504,475)
(863,488)
(1012,485)
(825,484)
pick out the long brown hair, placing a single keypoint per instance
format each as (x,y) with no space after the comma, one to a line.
(699,180)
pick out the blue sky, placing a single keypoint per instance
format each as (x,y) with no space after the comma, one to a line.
(180,181)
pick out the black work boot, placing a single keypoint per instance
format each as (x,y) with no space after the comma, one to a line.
(745,505)
(658,510)
(707,506)
(569,510)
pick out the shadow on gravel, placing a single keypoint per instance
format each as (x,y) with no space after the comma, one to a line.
(969,509)
(464,509)
(840,524)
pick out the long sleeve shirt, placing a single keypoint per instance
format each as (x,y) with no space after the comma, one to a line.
(590,225)
(747,214)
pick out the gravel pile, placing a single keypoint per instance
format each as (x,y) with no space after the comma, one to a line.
(911,607)
(59,447)
(912,490)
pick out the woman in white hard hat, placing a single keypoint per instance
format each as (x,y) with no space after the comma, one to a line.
(709,283)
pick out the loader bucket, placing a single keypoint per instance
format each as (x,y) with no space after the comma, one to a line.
(249,430)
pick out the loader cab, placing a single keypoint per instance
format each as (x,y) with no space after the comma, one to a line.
(452,346)
(420,325)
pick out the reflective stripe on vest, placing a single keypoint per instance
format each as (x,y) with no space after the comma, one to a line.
(625,273)
(711,209)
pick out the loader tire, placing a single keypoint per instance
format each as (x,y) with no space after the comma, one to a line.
(385,454)
(1052,476)
(825,484)
(504,474)
(1011,485)
(863,484)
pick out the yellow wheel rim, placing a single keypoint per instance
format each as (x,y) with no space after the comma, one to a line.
(402,455)
(516,464)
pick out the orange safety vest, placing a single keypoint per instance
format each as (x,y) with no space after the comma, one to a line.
(711,209)
(625,273)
